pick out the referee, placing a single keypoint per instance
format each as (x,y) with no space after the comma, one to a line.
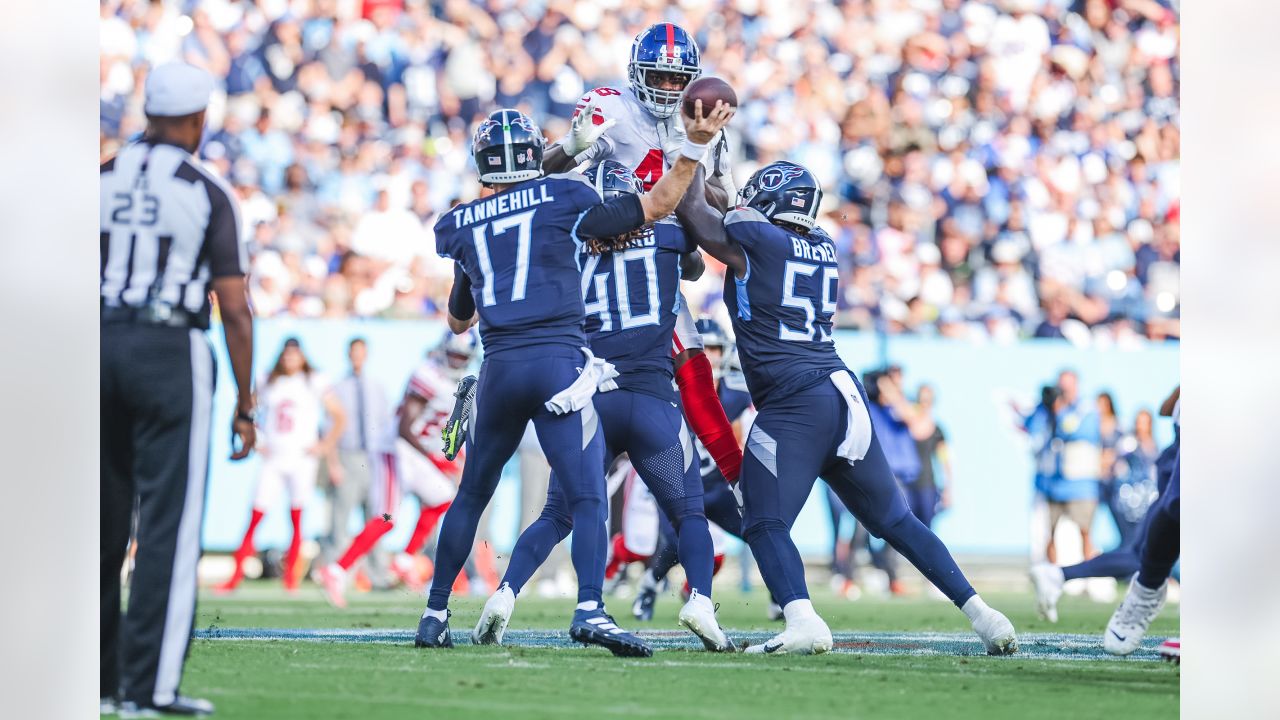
(169,234)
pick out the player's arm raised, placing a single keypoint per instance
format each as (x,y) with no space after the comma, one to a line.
(580,145)
(701,129)
(705,225)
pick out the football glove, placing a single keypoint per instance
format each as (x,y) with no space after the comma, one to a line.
(583,131)
(454,433)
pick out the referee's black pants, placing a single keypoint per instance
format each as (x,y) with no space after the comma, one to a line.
(156,401)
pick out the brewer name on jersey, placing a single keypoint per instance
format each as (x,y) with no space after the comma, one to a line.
(823,252)
(503,203)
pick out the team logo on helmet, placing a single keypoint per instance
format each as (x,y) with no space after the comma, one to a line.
(622,174)
(775,177)
(485,132)
(523,122)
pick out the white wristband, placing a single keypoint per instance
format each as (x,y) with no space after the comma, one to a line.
(692,150)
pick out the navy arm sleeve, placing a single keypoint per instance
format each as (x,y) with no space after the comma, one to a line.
(616,217)
(461,303)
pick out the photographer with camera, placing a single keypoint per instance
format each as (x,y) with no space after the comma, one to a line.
(1067,444)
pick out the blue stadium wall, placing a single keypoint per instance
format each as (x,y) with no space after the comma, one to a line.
(974,383)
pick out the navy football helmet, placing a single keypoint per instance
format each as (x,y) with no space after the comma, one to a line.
(711,332)
(662,48)
(784,192)
(613,179)
(507,147)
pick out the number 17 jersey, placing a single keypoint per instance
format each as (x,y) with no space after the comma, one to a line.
(782,308)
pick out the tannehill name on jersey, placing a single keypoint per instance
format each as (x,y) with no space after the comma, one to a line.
(503,203)
(823,252)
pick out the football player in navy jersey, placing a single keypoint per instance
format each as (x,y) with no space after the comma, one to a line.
(630,286)
(813,419)
(517,272)
(718,499)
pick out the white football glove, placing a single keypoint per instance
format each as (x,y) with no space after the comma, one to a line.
(583,132)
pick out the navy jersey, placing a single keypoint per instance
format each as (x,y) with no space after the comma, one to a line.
(782,308)
(519,251)
(631,300)
(734,399)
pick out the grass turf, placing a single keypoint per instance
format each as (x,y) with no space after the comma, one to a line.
(368,681)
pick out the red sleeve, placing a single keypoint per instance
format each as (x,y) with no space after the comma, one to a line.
(706,415)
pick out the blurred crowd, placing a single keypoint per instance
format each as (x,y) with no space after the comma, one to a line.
(994,170)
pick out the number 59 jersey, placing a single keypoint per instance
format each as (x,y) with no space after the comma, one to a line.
(518,250)
(782,309)
(632,299)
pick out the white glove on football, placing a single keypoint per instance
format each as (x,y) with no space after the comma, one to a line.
(583,132)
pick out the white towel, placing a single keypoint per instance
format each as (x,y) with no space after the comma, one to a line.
(597,375)
(857,438)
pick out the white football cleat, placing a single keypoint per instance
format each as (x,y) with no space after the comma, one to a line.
(333,580)
(807,635)
(495,616)
(1130,621)
(1171,650)
(994,629)
(1048,581)
(698,616)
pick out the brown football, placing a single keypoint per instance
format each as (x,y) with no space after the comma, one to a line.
(708,90)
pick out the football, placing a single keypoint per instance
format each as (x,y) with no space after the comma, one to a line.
(708,90)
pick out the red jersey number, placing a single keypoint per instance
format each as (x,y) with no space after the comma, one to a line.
(650,169)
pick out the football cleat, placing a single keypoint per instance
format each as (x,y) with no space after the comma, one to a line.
(454,433)
(1130,621)
(698,616)
(645,600)
(596,627)
(333,580)
(108,706)
(180,707)
(1048,581)
(996,632)
(433,633)
(495,616)
(1171,650)
(806,636)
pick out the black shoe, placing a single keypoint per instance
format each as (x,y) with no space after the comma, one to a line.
(454,433)
(180,707)
(642,608)
(433,633)
(595,627)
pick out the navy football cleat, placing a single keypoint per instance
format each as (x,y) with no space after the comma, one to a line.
(180,707)
(596,627)
(433,633)
(642,608)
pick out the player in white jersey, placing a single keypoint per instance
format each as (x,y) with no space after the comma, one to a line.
(293,399)
(640,126)
(410,458)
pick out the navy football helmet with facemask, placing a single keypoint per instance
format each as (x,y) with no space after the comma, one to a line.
(507,147)
(662,49)
(784,192)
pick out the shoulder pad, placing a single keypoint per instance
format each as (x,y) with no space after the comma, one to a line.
(745,214)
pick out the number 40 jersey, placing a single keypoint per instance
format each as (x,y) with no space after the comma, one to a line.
(632,299)
(782,309)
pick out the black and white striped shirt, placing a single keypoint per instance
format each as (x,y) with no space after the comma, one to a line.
(168,227)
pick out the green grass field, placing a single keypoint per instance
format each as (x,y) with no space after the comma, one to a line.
(365,680)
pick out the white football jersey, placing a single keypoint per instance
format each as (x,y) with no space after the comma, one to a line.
(434,384)
(639,138)
(294,408)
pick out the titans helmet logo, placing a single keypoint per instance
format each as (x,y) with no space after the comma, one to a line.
(775,177)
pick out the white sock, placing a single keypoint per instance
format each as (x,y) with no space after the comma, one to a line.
(798,610)
(588,605)
(974,608)
(648,581)
(700,599)
(440,615)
